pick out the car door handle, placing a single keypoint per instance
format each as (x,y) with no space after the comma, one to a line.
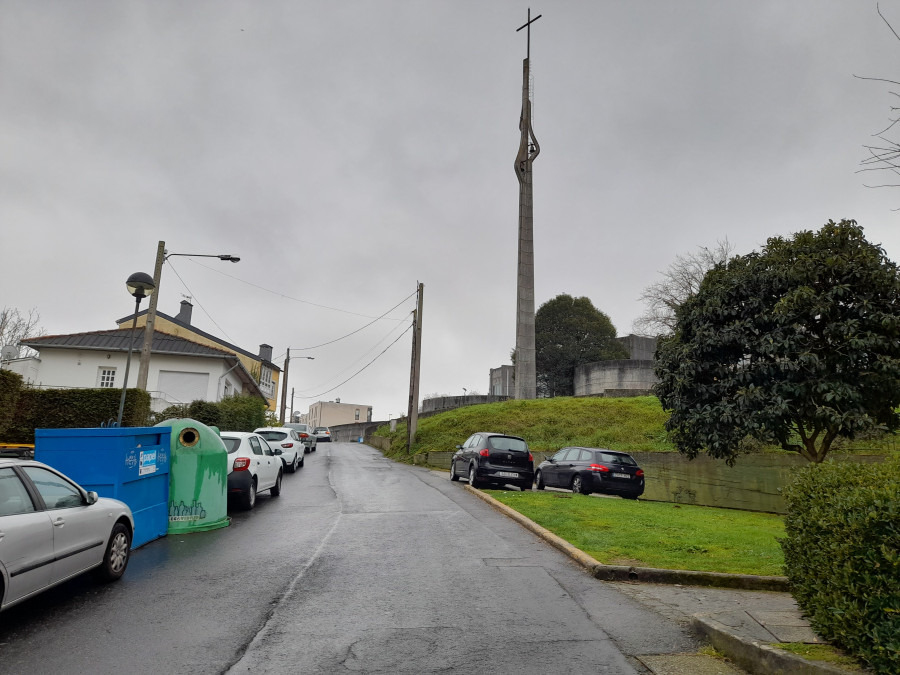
(59,522)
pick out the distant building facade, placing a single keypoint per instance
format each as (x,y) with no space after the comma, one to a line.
(333,413)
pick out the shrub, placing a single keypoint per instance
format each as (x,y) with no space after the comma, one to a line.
(10,386)
(842,556)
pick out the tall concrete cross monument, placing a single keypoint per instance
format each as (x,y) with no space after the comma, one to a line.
(526,377)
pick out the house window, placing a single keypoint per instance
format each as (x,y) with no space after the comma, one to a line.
(106,378)
(368,414)
(356,417)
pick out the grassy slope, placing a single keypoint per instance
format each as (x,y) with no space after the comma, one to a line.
(626,424)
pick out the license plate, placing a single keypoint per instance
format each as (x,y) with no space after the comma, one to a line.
(506,474)
(621,475)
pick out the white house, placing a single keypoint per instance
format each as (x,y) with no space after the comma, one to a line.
(181,370)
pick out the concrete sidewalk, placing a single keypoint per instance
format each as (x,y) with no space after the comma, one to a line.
(743,620)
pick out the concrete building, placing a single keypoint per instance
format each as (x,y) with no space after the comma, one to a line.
(259,365)
(502,381)
(620,377)
(333,413)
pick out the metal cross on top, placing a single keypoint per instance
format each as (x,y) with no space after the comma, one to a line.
(527,25)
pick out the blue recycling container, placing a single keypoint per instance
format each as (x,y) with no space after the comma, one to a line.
(130,464)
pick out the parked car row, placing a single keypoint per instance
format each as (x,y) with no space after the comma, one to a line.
(258,460)
(52,529)
(488,458)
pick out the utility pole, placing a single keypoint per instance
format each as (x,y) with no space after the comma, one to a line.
(144,369)
(287,363)
(292,404)
(413,413)
(526,375)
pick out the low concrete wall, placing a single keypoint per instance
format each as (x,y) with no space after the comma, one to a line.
(753,484)
(350,433)
(441,403)
(603,377)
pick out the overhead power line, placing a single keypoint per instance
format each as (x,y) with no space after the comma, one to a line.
(408,328)
(288,297)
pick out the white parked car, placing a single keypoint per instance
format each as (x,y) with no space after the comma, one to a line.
(253,466)
(288,441)
(51,530)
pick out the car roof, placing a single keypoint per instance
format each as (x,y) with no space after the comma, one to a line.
(238,434)
(272,429)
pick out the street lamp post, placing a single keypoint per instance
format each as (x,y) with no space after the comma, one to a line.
(287,363)
(140,285)
(161,256)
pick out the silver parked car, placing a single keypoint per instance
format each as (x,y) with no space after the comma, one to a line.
(306,435)
(51,530)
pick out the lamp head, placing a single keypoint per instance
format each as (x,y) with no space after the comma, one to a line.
(140,285)
(229,258)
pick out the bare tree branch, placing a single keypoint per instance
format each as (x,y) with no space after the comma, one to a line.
(679,282)
(15,326)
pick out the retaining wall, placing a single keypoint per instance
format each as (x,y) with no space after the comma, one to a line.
(753,484)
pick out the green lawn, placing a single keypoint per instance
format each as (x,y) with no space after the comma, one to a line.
(657,534)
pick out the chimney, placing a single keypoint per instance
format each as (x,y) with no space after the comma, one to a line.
(184,314)
(265,352)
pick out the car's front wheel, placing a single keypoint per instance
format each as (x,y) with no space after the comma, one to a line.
(118,551)
(539,481)
(453,475)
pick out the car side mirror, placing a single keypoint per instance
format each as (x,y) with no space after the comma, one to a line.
(278,452)
(459,447)
(551,460)
(92,497)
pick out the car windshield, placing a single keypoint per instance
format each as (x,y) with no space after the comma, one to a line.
(507,443)
(231,444)
(610,458)
(273,435)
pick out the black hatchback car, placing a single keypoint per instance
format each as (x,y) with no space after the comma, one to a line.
(488,458)
(587,470)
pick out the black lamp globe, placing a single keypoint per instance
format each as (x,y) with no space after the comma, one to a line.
(140,285)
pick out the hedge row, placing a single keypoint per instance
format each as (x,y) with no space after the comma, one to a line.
(26,409)
(236,413)
(842,556)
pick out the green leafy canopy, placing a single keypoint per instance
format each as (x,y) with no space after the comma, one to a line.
(568,332)
(796,344)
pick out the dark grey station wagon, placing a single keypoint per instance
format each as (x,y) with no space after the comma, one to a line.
(488,458)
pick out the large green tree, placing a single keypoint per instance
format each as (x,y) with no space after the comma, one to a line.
(796,344)
(568,332)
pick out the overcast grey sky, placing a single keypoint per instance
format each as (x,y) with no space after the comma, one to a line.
(348,150)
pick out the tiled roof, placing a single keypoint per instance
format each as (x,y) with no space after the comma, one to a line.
(118,340)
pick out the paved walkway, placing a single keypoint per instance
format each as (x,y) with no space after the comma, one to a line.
(742,624)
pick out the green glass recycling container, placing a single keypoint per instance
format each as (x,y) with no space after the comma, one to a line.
(198,477)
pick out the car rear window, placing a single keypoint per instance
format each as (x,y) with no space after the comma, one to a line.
(273,435)
(231,444)
(507,443)
(610,458)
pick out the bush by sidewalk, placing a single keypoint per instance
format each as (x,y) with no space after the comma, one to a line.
(842,556)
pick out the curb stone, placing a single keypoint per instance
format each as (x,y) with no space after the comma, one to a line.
(759,657)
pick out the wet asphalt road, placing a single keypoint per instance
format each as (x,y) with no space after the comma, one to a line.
(361,565)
